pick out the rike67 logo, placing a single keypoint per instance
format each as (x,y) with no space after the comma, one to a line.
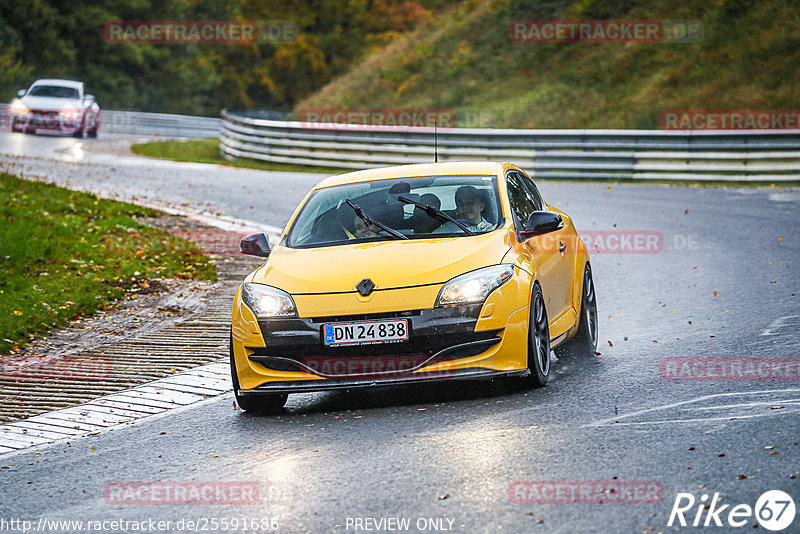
(774,510)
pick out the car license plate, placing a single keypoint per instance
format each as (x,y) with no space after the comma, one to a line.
(365,333)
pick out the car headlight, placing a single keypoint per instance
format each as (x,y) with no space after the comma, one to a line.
(18,107)
(474,287)
(268,301)
(68,112)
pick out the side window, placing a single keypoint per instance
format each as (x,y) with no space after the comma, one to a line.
(534,191)
(521,204)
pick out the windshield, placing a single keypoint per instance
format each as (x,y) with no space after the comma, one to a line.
(328,219)
(54,91)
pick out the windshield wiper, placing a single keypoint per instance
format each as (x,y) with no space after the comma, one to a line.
(437,213)
(367,219)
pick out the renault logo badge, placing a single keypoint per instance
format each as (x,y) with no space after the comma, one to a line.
(365,287)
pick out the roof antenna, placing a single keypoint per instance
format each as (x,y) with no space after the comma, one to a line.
(435,143)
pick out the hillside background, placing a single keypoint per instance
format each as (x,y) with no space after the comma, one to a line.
(463,59)
(59,39)
(369,54)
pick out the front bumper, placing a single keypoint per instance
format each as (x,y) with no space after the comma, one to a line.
(476,341)
(52,121)
(328,385)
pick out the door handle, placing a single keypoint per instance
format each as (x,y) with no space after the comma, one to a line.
(562,246)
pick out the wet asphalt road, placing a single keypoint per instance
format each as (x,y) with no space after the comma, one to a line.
(724,284)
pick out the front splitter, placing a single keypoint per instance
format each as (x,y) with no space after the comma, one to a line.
(307,386)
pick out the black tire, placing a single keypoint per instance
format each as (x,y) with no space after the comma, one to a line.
(584,343)
(538,340)
(78,134)
(262,403)
(92,134)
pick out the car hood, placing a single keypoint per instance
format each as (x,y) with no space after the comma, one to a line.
(389,264)
(49,103)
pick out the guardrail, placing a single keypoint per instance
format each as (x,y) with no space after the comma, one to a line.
(137,122)
(550,154)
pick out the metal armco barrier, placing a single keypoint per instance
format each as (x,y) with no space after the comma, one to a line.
(137,122)
(550,154)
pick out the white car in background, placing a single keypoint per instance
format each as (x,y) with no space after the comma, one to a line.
(55,106)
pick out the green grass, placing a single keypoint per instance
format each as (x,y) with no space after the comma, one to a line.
(64,254)
(207,151)
(463,60)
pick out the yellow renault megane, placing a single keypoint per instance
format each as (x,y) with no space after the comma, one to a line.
(428,272)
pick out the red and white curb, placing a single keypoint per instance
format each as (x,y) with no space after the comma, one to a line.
(154,398)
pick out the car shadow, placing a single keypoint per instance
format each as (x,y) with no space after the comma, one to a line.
(420,393)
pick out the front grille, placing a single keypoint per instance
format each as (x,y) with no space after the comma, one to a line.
(423,345)
(365,317)
(438,334)
(375,362)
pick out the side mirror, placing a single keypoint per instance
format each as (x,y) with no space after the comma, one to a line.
(88,98)
(255,245)
(21,93)
(540,222)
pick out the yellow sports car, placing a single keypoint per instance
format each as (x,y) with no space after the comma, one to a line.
(428,272)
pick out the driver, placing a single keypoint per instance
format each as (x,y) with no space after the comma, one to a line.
(363,230)
(469,208)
